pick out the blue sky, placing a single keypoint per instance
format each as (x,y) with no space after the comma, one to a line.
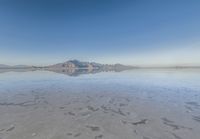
(134,32)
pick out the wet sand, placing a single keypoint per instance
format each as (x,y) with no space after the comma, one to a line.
(98,111)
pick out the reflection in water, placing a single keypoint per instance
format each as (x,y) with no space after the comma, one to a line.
(16,70)
(76,72)
(139,104)
(67,71)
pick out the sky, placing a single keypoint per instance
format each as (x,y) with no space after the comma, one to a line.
(132,32)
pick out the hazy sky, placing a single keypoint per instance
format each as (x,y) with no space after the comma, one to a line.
(141,32)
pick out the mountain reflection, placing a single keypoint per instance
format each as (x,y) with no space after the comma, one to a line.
(69,72)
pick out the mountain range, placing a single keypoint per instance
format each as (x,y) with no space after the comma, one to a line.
(75,64)
(3,66)
(71,64)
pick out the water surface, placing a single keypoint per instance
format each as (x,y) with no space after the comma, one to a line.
(139,104)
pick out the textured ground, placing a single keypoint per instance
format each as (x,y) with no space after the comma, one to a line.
(89,111)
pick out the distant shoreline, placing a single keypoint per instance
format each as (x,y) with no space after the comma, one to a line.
(76,64)
(80,71)
(185,67)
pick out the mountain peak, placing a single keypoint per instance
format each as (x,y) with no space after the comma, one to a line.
(70,64)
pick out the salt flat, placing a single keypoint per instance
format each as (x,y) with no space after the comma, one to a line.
(139,104)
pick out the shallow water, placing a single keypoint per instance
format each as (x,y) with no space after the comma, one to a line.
(139,104)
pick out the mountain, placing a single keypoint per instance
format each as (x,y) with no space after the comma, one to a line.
(72,64)
(21,66)
(75,64)
(4,66)
(75,67)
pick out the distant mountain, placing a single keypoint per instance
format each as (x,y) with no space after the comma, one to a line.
(72,64)
(75,64)
(2,66)
(21,66)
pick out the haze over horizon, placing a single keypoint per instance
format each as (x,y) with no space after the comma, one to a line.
(131,32)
